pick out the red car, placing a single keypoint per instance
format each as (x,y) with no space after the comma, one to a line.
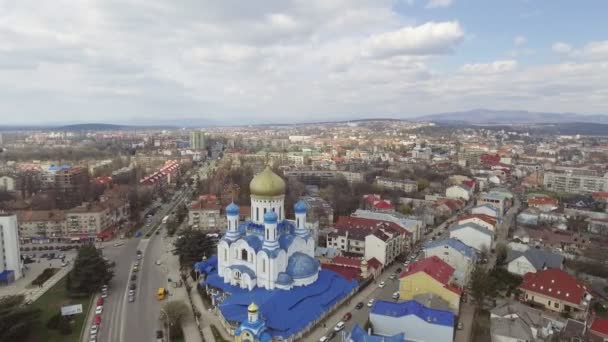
(97,320)
(347,316)
(99,301)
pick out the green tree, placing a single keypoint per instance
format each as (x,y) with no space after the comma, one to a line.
(481,285)
(90,271)
(16,320)
(192,246)
(172,314)
(422,184)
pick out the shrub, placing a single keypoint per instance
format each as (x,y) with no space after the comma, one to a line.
(53,322)
(65,328)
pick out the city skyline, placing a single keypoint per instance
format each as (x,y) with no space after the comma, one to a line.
(293,61)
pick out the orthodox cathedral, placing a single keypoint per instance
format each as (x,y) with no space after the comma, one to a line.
(268,251)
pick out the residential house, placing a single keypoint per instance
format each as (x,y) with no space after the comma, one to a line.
(404,185)
(205,214)
(532,260)
(459,191)
(385,243)
(430,275)
(574,331)
(456,254)
(486,221)
(598,332)
(497,200)
(412,224)
(513,321)
(528,217)
(474,235)
(486,209)
(416,321)
(557,291)
(544,204)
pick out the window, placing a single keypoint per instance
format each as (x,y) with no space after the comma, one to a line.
(225,255)
(556,305)
(257,214)
(244,254)
(263,266)
(267,235)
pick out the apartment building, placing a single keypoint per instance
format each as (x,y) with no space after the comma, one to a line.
(405,185)
(575,181)
(41,225)
(10,255)
(205,214)
(72,185)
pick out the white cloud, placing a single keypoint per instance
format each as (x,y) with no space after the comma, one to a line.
(561,48)
(490,68)
(520,41)
(596,50)
(428,39)
(438,3)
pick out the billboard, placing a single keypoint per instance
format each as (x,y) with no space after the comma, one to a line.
(71,310)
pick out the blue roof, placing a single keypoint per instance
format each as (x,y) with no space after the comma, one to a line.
(412,307)
(302,265)
(458,245)
(55,168)
(253,241)
(286,311)
(243,269)
(232,209)
(271,217)
(360,335)
(286,240)
(284,279)
(207,266)
(300,207)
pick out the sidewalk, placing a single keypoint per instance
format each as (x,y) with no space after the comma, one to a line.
(208,317)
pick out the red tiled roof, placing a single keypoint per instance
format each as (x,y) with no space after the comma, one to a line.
(555,283)
(600,194)
(470,184)
(487,218)
(350,273)
(344,261)
(542,201)
(374,263)
(600,325)
(436,268)
(383,204)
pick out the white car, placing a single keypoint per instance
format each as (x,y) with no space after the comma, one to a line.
(158,262)
(104,288)
(396,295)
(382,285)
(339,326)
(94,329)
(324,339)
(392,277)
(104,294)
(99,310)
(370,303)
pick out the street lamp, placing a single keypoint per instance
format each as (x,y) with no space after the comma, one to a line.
(168,324)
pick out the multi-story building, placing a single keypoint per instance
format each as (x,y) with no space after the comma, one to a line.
(575,181)
(319,211)
(42,225)
(72,185)
(385,243)
(405,185)
(205,214)
(412,224)
(455,253)
(7,183)
(10,255)
(197,140)
(92,220)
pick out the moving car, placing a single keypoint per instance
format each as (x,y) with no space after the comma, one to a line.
(158,262)
(323,339)
(359,306)
(118,244)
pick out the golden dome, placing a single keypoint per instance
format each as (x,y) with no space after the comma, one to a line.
(267,183)
(253,308)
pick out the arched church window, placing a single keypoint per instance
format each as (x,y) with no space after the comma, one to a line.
(257,213)
(267,235)
(298,222)
(263,265)
(225,255)
(265,211)
(244,254)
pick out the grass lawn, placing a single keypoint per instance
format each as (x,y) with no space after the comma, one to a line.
(481,327)
(50,303)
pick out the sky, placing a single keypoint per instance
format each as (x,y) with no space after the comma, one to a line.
(205,62)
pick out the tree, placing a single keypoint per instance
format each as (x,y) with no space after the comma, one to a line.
(182,212)
(172,314)
(501,253)
(577,224)
(16,320)
(481,285)
(90,271)
(192,246)
(422,184)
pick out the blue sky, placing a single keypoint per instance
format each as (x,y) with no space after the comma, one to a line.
(214,62)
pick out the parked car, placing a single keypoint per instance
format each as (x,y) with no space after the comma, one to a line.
(359,306)
(99,301)
(98,310)
(395,295)
(133,286)
(133,277)
(104,294)
(97,320)
(392,277)
(94,330)
(382,284)
(459,326)
(159,336)
(323,339)
(347,317)
(370,303)
(131,299)
(339,326)
(398,270)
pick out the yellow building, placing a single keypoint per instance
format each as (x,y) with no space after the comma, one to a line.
(430,276)
(254,329)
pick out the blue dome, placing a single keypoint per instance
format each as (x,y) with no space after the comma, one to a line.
(300,207)
(232,209)
(284,279)
(301,265)
(270,217)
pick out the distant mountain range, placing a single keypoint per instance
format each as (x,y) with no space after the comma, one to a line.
(510,117)
(106,127)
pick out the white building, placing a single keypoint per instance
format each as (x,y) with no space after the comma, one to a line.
(482,220)
(456,254)
(10,255)
(404,185)
(532,260)
(418,322)
(7,183)
(473,235)
(485,209)
(268,251)
(459,191)
(384,244)
(413,225)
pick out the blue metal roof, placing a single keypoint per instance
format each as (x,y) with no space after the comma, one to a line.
(412,307)
(301,265)
(253,241)
(207,266)
(232,209)
(286,240)
(300,207)
(458,245)
(360,335)
(284,279)
(270,217)
(243,269)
